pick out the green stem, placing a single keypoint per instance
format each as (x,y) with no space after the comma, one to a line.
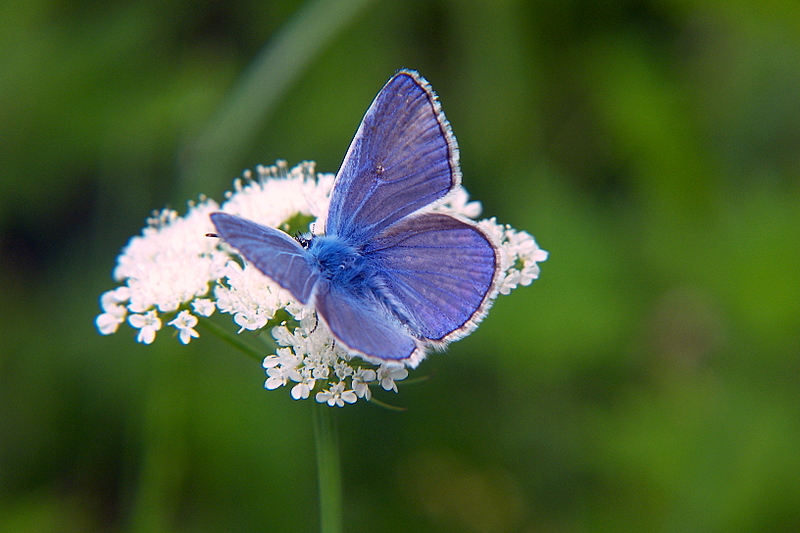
(164,458)
(231,339)
(228,136)
(329,469)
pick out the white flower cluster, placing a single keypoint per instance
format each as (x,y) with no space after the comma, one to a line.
(520,254)
(165,268)
(310,354)
(174,269)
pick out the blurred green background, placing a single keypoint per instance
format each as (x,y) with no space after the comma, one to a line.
(649,381)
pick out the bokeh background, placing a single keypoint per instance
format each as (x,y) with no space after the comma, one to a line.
(649,381)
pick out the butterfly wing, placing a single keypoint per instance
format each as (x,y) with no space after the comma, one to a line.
(402,158)
(272,252)
(364,325)
(439,272)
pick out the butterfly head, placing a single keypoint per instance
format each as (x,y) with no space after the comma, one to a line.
(304,239)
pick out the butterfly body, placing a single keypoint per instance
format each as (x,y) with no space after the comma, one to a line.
(391,277)
(343,265)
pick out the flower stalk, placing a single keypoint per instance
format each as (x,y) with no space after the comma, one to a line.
(329,469)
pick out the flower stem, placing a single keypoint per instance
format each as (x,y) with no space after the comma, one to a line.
(329,469)
(230,339)
(278,66)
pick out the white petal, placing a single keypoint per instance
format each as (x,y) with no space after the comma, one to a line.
(107,323)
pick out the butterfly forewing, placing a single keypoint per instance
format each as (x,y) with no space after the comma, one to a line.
(403,158)
(438,271)
(272,252)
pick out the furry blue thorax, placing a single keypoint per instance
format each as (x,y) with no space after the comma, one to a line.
(343,264)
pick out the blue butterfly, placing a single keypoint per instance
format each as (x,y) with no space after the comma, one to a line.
(390,278)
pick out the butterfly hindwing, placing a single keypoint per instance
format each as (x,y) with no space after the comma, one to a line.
(403,158)
(363,325)
(272,252)
(438,271)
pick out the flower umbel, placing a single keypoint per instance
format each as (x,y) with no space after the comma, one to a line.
(174,273)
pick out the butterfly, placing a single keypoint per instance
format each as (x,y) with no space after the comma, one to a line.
(391,277)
